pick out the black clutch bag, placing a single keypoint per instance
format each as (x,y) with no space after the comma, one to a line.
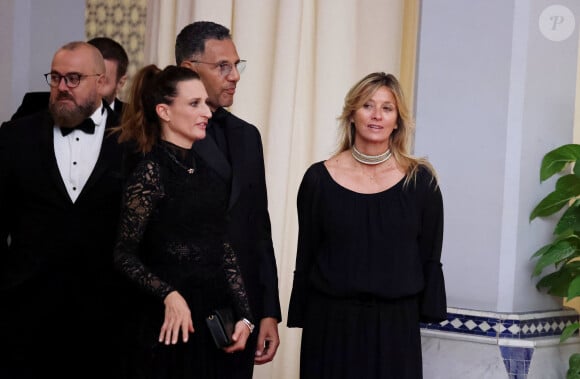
(221,326)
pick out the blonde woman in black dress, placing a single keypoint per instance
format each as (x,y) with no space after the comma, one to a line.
(370,233)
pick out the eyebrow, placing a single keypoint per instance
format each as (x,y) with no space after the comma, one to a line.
(68,73)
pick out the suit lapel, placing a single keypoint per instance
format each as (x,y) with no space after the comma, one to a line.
(47,144)
(210,152)
(119,107)
(234,135)
(213,156)
(108,154)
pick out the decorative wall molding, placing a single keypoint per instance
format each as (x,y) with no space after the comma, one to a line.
(124,21)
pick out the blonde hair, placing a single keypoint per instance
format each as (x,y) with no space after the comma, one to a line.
(400,140)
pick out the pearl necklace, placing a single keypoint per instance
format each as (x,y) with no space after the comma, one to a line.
(370,159)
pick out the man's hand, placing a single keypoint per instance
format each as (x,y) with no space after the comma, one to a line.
(268,341)
(240,336)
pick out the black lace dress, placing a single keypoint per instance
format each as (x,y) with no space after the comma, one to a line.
(171,238)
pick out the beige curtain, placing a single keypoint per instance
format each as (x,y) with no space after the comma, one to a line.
(303,56)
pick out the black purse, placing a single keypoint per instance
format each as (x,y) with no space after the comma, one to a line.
(221,326)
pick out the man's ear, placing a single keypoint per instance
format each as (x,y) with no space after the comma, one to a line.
(163,112)
(189,65)
(121,82)
(101,80)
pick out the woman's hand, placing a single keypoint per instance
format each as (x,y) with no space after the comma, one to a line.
(177,319)
(240,337)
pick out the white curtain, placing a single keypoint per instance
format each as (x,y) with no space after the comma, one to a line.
(303,56)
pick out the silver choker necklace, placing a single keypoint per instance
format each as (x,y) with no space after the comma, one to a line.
(370,159)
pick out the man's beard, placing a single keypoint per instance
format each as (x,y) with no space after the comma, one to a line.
(68,115)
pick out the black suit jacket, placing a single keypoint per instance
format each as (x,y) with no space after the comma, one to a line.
(56,276)
(249,221)
(33,102)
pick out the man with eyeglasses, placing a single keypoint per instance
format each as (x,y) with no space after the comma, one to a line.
(60,193)
(116,63)
(233,148)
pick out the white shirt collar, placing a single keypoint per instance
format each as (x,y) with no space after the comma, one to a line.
(99,115)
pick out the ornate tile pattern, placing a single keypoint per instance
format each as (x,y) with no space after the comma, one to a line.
(513,332)
(516,360)
(505,325)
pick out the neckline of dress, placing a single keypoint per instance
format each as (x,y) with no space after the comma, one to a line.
(170,149)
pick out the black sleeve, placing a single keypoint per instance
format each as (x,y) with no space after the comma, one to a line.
(236,284)
(142,192)
(6,141)
(265,247)
(433,301)
(308,241)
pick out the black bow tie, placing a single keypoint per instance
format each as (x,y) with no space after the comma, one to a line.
(87,126)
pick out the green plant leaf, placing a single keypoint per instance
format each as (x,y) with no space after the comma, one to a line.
(567,236)
(556,283)
(557,159)
(574,287)
(569,185)
(550,204)
(567,189)
(570,220)
(575,361)
(557,253)
(569,331)
(541,251)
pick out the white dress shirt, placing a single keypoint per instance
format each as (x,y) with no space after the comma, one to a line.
(77,153)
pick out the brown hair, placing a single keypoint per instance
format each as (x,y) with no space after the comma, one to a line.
(151,86)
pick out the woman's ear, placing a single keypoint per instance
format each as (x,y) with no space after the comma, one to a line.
(163,112)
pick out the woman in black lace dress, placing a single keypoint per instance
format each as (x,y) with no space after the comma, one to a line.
(171,245)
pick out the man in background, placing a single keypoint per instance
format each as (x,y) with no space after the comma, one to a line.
(233,148)
(116,63)
(60,193)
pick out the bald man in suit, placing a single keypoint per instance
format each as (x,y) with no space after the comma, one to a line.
(60,192)
(116,63)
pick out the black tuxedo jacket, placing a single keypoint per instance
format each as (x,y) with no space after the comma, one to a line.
(56,275)
(249,221)
(33,102)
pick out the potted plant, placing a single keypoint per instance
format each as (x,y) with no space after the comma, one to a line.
(563,253)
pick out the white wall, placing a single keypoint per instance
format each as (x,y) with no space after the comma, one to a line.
(493,96)
(32,30)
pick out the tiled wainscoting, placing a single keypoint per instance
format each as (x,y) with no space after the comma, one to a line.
(479,345)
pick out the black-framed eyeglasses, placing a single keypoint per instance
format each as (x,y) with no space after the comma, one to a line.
(225,68)
(71,80)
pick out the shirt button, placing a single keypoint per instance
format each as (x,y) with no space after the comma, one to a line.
(77,138)
(74,188)
(74,163)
